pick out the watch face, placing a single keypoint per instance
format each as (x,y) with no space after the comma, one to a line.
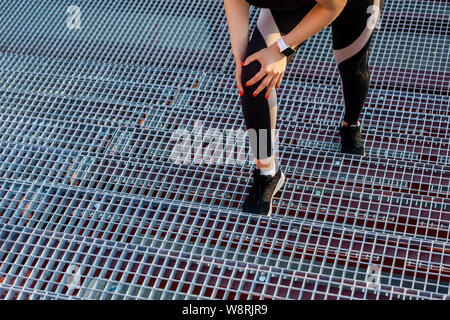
(288,51)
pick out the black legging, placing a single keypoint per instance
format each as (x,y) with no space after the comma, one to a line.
(352,31)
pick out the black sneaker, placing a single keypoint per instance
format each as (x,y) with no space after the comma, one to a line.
(259,199)
(351,141)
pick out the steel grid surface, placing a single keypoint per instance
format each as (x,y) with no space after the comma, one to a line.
(92,206)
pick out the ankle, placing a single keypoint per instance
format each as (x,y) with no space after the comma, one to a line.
(267,168)
(269,172)
(346,124)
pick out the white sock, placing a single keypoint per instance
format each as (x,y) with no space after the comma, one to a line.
(269,172)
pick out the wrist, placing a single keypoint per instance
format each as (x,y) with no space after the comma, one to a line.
(289,41)
(276,49)
(284,48)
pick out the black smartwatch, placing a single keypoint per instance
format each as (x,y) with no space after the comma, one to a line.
(284,48)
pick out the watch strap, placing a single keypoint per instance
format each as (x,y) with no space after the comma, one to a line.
(284,48)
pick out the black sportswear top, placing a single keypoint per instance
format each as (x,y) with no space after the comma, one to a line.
(281,4)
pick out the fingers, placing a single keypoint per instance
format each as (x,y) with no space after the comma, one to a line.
(271,85)
(279,80)
(263,84)
(258,76)
(269,75)
(250,58)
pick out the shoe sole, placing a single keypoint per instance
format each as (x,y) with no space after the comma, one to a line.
(277,188)
(365,154)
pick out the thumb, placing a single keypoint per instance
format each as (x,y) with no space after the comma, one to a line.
(249,59)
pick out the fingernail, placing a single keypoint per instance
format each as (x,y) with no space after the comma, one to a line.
(240,92)
(243,63)
(254,94)
(246,84)
(267,97)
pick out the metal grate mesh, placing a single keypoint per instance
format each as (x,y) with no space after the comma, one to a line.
(93,207)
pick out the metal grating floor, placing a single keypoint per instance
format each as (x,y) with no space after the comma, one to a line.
(93,207)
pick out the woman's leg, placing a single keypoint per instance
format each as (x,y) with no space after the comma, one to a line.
(260,114)
(352,32)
